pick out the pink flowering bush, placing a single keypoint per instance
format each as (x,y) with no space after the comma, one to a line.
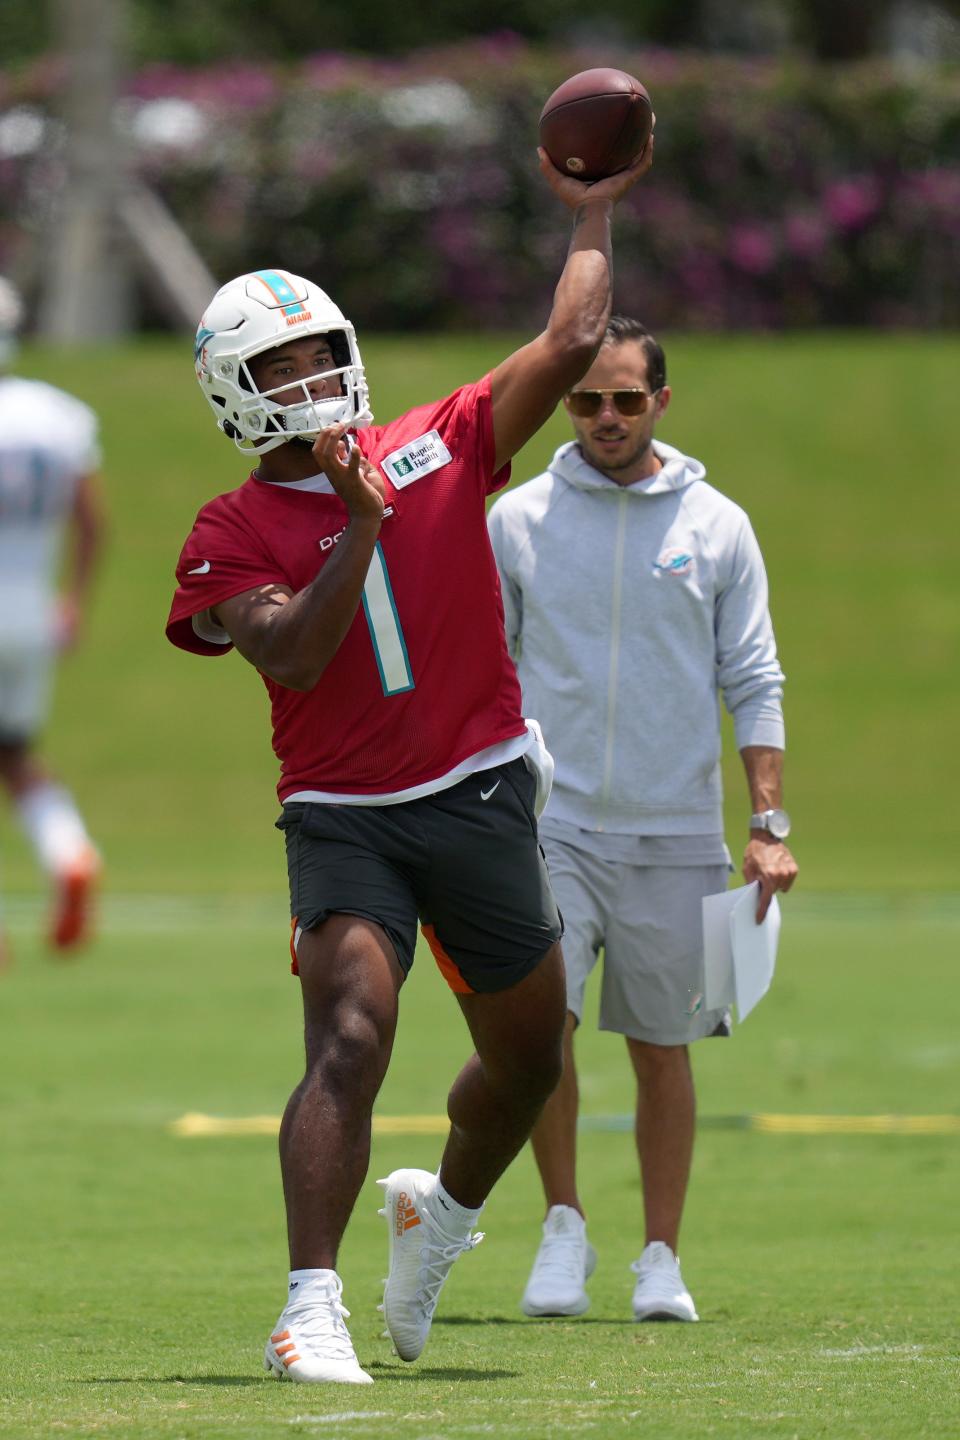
(782,195)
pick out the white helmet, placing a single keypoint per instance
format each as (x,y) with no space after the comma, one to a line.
(257,312)
(11,318)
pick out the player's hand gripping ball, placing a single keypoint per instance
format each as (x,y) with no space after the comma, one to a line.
(596,123)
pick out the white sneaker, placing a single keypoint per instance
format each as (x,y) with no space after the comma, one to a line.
(310,1342)
(421,1255)
(565,1261)
(660,1293)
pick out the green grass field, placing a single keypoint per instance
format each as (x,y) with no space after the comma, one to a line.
(142,1270)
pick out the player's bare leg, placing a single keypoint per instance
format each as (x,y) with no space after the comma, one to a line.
(59,837)
(350,980)
(19,770)
(492,1107)
(665,1121)
(11,759)
(554,1137)
(496,1098)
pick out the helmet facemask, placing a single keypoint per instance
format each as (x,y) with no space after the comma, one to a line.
(304,417)
(261,312)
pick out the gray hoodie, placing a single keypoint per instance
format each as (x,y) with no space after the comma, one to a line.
(627,609)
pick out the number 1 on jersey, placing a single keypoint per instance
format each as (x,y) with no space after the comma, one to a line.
(389,647)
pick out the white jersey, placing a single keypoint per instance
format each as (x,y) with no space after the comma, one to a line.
(48,442)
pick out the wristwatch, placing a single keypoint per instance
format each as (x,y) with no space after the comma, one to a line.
(777,822)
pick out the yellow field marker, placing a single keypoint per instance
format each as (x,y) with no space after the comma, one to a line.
(410,1124)
(194,1125)
(856,1124)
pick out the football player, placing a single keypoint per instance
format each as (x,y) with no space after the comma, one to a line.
(49,492)
(353,570)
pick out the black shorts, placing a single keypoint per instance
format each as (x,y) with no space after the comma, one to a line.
(466,861)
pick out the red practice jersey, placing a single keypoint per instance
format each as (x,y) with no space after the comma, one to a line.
(422,679)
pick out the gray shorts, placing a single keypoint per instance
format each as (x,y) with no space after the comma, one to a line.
(647,920)
(465,861)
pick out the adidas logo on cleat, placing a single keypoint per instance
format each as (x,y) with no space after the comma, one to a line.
(285,1348)
(407,1216)
(311,1343)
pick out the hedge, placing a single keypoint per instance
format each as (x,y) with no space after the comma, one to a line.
(783,195)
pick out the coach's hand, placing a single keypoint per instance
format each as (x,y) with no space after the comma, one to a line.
(769,861)
(356,481)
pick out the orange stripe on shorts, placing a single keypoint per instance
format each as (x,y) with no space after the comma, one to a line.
(448,968)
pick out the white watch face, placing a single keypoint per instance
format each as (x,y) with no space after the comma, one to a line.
(775,822)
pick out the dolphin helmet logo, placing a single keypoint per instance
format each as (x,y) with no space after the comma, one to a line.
(200,344)
(674,561)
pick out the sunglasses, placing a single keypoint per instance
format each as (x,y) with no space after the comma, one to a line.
(587,403)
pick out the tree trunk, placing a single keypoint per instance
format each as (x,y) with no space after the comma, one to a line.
(88,294)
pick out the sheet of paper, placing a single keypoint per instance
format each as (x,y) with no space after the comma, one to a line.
(718,985)
(739,956)
(754,949)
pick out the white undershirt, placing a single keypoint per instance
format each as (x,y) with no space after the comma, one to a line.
(499,754)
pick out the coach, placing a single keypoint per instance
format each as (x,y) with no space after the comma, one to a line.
(633,592)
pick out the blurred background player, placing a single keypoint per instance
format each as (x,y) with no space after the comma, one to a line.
(49,500)
(632,591)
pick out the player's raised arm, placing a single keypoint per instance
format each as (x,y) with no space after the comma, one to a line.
(527,387)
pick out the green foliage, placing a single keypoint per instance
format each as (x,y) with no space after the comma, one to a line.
(178,31)
(783,194)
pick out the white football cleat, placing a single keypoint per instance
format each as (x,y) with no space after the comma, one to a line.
(564,1262)
(660,1293)
(310,1341)
(421,1254)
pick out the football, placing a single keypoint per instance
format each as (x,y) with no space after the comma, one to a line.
(596,123)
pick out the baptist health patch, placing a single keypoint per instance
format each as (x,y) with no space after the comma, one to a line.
(419,457)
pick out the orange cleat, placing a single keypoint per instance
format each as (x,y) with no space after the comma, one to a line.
(72,919)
